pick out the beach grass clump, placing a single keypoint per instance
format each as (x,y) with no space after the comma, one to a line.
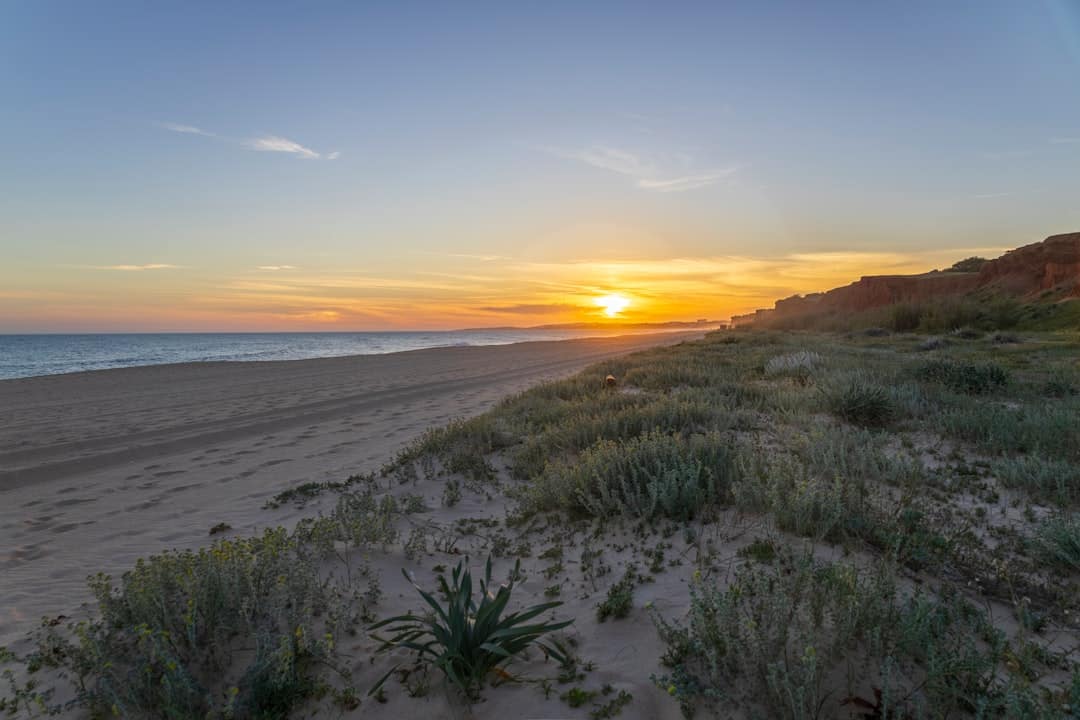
(771,638)
(969,378)
(1056,481)
(860,400)
(828,507)
(467,640)
(798,365)
(1045,429)
(365,521)
(304,493)
(244,628)
(1057,541)
(620,597)
(644,476)
(461,446)
(858,453)
(774,640)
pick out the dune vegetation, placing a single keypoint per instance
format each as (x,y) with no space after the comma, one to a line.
(856,524)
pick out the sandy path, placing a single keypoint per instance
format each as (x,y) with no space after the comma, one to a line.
(100,468)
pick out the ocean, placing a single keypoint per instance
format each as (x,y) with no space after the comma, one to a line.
(33,355)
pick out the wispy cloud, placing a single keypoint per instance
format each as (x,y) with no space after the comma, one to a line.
(185,129)
(690,182)
(137,268)
(275,268)
(648,174)
(262,143)
(273,143)
(1064,140)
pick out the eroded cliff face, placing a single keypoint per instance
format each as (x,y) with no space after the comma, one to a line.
(1026,272)
(1053,264)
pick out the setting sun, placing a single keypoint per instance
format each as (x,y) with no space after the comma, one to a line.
(613,304)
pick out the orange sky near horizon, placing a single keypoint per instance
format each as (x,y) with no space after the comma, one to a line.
(468,291)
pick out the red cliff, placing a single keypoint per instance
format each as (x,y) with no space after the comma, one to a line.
(1028,271)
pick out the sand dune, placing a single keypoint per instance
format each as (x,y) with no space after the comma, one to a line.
(98,469)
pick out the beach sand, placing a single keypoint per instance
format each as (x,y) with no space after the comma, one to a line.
(98,469)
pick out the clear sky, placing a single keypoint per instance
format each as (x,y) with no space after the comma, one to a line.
(370,165)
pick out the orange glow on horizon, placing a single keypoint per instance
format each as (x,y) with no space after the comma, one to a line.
(458,293)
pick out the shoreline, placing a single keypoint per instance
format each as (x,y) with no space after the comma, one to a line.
(99,468)
(215,361)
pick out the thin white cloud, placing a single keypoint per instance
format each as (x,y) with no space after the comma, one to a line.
(273,143)
(185,129)
(689,182)
(613,159)
(264,143)
(137,268)
(647,174)
(274,268)
(1064,140)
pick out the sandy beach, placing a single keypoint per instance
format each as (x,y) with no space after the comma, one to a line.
(98,469)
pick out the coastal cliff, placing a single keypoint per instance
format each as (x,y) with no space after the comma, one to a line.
(1050,267)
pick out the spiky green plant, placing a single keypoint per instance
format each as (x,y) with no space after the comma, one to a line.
(465,639)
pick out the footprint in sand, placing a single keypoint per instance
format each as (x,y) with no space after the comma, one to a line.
(182,488)
(73,501)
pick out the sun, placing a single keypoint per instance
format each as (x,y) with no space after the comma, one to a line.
(613,304)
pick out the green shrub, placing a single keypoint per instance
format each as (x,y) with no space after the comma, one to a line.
(774,635)
(1054,480)
(1047,429)
(620,597)
(971,264)
(1058,541)
(644,476)
(962,377)
(860,401)
(905,318)
(168,636)
(771,641)
(467,640)
(799,365)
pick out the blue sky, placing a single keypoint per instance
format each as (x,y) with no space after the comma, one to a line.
(167,151)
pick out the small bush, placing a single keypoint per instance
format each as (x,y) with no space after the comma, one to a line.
(169,634)
(645,476)
(773,636)
(967,333)
(1005,339)
(934,343)
(1048,429)
(860,401)
(1058,541)
(962,377)
(967,265)
(799,365)
(620,598)
(1054,480)
(906,318)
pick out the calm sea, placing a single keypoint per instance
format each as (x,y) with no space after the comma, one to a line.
(30,355)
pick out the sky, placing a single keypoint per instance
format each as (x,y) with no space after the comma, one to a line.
(200,166)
